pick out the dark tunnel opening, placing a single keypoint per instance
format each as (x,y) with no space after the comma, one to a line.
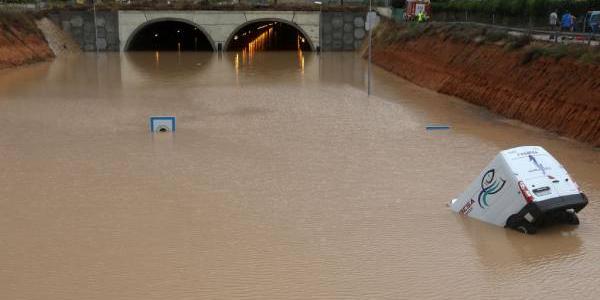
(268,36)
(170,36)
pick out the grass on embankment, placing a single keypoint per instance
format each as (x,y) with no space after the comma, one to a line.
(21,41)
(18,20)
(481,34)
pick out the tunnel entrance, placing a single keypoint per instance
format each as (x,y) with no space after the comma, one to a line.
(170,36)
(268,36)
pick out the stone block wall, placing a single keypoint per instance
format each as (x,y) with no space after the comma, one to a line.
(342,31)
(80,25)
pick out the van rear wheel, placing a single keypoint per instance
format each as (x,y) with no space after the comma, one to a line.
(519,224)
(567,217)
(526,228)
(572,218)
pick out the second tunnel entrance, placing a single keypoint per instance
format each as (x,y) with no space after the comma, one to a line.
(268,36)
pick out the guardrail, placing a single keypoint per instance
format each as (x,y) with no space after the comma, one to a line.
(19,6)
(589,38)
(556,36)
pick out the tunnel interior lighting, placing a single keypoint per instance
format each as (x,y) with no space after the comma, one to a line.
(265,36)
(264,26)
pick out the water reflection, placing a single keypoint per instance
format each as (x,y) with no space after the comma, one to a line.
(301,60)
(84,75)
(166,64)
(269,65)
(27,76)
(502,249)
(342,68)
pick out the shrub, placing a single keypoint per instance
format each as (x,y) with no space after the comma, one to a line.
(518,42)
(493,36)
(516,7)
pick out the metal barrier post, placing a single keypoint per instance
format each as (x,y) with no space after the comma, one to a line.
(369,65)
(95,28)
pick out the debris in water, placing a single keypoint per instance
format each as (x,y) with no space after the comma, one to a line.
(437,127)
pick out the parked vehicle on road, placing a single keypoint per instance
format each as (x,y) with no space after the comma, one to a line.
(592,21)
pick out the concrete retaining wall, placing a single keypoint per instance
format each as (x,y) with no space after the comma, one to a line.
(342,31)
(219,26)
(80,25)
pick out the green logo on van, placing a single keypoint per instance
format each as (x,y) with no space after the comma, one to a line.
(489,186)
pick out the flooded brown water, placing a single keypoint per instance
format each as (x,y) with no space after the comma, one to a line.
(283,181)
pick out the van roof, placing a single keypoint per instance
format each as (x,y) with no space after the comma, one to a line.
(523,151)
(527,161)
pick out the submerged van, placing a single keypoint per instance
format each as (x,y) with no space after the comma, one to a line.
(522,188)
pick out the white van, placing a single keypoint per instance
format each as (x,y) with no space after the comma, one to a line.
(522,188)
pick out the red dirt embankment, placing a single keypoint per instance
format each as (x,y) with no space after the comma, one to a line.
(21,42)
(557,94)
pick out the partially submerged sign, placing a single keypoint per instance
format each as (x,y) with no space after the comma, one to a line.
(162,124)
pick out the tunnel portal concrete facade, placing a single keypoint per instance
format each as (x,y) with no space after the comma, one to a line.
(219,26)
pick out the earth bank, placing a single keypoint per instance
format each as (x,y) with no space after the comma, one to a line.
(553,87)
(21,42)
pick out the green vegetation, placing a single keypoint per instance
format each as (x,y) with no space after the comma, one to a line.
(17,20)
(390,33)
(581,53)
(517,7)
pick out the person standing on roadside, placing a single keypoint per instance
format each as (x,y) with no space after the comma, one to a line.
(421,17)
(565,22)
(553,20)
(573,20)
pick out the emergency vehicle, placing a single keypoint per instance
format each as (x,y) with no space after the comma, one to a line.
(414,7)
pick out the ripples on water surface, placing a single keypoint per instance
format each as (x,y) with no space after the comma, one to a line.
(283,181)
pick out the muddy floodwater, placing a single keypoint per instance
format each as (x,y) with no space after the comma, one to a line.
(283,180)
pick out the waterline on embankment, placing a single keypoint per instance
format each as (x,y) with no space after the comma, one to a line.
(536,84)
(21,41)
